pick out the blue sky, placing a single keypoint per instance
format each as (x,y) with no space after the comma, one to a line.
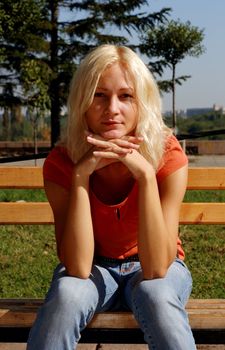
(206,86)
(207,83)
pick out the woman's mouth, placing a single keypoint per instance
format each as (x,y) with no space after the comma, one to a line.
(111,122)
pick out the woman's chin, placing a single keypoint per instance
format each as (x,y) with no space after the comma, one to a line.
(112,134)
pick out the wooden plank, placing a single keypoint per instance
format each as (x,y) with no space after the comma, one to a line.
(206,178)
(202,213)
(26,213)
(21,177)
(12,346)
(145,347)
(31,177)
(203,314)
(207,319)
(124,346)
(41,213)
(27,304)
(87,346)
(206,304)
(22,346)
(210,347)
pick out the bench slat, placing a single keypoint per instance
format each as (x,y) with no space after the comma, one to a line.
(27,304)
(202,213)
(203,314)
(22,346)
(26,213)
(31,177)
(206,178)
(41,213)
(21,177)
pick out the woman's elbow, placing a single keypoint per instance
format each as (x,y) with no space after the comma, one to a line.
(154,274)
(83,276)
(81,273)
(151,272)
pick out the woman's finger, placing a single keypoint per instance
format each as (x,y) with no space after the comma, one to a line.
(109,155)
(115,144)
(134,139)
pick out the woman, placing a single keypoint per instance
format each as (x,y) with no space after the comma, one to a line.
(115,184)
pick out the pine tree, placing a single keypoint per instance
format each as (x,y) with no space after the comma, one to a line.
(37,31)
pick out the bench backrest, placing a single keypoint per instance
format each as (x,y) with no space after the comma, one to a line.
(41,213)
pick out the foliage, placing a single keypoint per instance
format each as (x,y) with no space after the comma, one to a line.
(22,24)
(171,43)
(24,74)
(40,48)
(205,122)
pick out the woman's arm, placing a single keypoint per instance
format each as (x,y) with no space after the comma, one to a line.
(159,208)
(72,214)
(73,226)
(158,221)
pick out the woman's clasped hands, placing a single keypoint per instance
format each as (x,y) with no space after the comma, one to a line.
(124,150)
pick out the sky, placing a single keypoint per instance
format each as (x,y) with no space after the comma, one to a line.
(206,86)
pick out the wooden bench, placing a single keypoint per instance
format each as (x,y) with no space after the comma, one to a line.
(207,317)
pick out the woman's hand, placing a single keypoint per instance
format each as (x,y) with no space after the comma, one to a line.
(124,150)
(105,152)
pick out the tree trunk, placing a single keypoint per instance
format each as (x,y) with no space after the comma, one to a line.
(173,103)
(35,122)
(54,86)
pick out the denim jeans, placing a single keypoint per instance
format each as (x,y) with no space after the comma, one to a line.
(158,305)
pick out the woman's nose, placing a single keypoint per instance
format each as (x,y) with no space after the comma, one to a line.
(113,105)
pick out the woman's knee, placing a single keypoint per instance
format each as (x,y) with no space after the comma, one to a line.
(153,295)
(71,293)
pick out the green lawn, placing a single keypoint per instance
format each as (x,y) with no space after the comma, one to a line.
(27,253)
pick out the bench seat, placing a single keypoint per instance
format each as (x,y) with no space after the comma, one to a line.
(207,316)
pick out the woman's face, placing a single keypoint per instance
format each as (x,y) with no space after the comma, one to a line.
(113,112)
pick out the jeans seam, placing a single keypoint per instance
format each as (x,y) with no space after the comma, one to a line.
(143,323)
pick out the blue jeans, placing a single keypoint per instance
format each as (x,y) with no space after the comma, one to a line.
(158,305)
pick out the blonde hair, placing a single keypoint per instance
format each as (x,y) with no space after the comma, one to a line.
(150,123)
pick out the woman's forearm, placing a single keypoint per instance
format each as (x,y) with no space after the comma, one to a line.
(156,244)
(77,242)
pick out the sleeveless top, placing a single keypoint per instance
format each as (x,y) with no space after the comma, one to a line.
(115,226)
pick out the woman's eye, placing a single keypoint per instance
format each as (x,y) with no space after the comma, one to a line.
(99,94)
(126,96)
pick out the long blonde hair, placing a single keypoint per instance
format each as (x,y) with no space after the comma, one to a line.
(150,123)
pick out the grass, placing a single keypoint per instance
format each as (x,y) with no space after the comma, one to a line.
(28,254)
(35,195)
(205,251)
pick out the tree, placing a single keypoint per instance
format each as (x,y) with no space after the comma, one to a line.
(71,40)
(23,29)
(172,42)
(63,42)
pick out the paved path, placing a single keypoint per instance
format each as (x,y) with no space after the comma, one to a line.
(207,161)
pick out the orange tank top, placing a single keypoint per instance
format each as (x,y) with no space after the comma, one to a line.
(115,226)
